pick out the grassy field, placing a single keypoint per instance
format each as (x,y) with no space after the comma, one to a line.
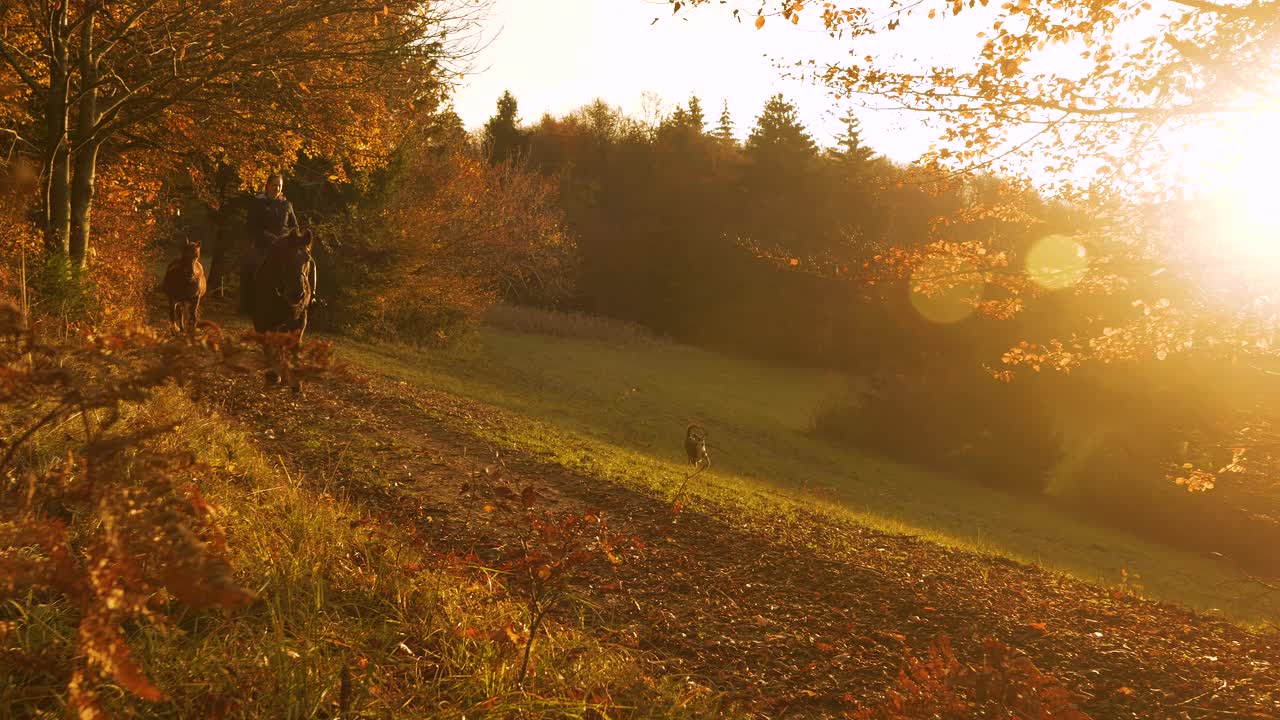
(618,408)
(338,587)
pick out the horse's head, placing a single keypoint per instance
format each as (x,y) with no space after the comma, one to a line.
(292,267)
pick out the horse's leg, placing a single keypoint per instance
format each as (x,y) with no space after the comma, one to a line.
(173,316)
(294,383)
(195,313)
(271,376)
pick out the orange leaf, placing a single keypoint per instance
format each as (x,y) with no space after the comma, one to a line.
(759,21)
(1038,626)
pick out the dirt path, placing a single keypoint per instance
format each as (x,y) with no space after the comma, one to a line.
(801,619)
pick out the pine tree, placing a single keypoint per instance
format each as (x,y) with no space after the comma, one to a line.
(503,137)
(850,142)
(696,120)
(724,130)
(779,133)
(779,174)
(678,119)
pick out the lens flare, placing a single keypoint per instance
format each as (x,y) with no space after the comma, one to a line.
(1057,262)
(945,294)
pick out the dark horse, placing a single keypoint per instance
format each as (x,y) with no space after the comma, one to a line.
(284,286)
(184,285)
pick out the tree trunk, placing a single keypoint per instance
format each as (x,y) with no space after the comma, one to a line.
(86,155)
(57,226)
(220,215)
(82,185)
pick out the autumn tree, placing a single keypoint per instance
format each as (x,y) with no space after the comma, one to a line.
(454,234)
(1091,99)
(1113,108)
(249,81)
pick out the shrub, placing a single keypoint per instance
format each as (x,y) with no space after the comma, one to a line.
(453,236)
(57,289)
(1123,483)
(1006,686)
(996,433)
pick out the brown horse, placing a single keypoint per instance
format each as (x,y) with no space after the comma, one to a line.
(284,286)
(184,285)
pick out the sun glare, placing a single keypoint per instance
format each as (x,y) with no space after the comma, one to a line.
(1233,184)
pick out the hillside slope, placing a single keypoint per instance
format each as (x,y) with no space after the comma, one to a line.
(766,604)
(617,409)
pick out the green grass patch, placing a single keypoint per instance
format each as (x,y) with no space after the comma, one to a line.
(617,410)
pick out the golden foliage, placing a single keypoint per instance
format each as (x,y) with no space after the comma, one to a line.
(463,234)
(118,526)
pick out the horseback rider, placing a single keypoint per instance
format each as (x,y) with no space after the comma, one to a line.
(270,216)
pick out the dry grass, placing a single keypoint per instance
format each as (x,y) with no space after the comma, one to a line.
(340,593)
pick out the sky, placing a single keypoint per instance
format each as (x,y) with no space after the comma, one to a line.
(557,55)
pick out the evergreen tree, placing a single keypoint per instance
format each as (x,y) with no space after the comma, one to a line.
(851,149)
(779,135)
(677,120)
(724,130)
(687,123)
(780,174)
(696,120)
(503,137)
